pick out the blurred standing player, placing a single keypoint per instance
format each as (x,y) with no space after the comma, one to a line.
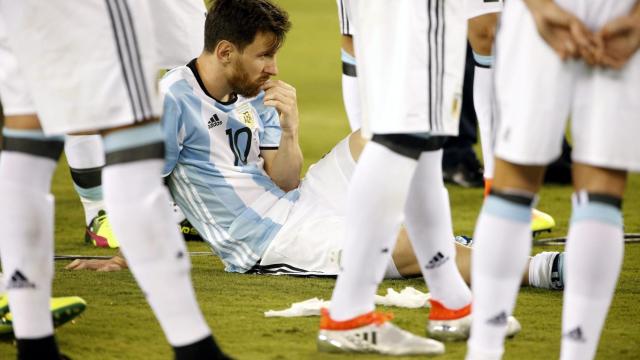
(410,78)
(537,81)
(483,19)
(99,78)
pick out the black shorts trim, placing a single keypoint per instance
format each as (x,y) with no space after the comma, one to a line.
(51,149)
(349,69)
(87,178)
(144,152)
(129,55)
(283,269)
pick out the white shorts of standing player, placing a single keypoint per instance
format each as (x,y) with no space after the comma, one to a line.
(603,103)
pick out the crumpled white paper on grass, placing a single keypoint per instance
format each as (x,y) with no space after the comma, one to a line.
(407,298)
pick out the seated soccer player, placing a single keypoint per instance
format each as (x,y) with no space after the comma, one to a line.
(233,167)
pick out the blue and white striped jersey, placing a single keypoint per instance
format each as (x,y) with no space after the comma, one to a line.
(216,174)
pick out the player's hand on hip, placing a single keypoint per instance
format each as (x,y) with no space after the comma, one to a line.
(618,40)
(563,31)
(283,97)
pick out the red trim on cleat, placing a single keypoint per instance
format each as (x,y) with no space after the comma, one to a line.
(326,323)
(439,312)
(98,240)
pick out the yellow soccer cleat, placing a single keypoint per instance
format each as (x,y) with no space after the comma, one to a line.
(63,310)
(99,232)
(541,222)
(5,326)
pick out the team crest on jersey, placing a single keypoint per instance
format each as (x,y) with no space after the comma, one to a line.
(246,114)
(456,105)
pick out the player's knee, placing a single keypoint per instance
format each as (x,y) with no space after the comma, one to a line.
(143,142)
(409,145)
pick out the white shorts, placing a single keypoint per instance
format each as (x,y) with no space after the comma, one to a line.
(88,64)
(476,8)
(179,30)
(410,68)
(14,94)
(536,93)
(312,237)
(179,37)
(343,18)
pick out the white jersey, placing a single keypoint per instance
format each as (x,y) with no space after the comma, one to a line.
(410,64)
(602,103)
(476,8)
(346,28)
(177,31)
(216,174)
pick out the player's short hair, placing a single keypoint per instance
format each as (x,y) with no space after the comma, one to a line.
(238,21)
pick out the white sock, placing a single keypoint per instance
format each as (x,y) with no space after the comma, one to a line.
(85,155)
(350,94)
(428,222)
(351,101)
(502,242)
(375,207)
(483,103)
(595,247)
(542,273)
(26,240)
(135,197)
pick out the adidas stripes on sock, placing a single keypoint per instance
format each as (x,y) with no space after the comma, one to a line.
(502,242)
(136,201)
(428,222)
(594,252)
(26,229)
(375,207)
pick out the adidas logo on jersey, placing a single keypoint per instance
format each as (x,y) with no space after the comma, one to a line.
(214,121)
(575,335)
(436,261)
(498,320)
(19,281)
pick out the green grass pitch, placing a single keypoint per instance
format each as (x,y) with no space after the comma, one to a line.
(118,324)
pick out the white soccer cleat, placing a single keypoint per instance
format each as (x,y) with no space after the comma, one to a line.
(372,333)
(455,325)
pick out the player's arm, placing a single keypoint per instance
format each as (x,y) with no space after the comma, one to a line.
(284,165)
(564,32)
(116,263)
(619,39)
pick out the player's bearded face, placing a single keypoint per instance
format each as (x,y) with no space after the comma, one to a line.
(244,83)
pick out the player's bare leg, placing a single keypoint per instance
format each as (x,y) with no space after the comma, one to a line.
(595,248)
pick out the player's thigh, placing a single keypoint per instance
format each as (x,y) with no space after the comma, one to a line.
(533,91)
(606,117)
(410,65)
(88,65)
